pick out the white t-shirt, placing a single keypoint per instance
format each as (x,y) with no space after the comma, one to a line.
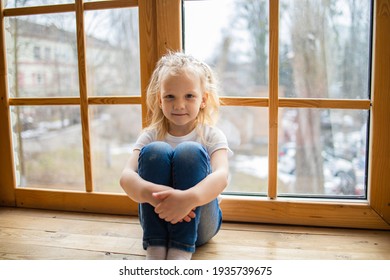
(214,139)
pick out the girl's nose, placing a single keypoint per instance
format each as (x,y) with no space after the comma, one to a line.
(179,105)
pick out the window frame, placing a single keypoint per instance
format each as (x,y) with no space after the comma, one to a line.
(160,24)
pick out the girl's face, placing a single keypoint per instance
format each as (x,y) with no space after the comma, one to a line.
(181,100)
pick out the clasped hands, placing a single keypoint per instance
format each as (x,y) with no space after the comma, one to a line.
(174,206)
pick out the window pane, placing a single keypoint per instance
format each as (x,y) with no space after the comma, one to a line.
(48,148)
(42,56)
(236,44)
(325,48)
(27,3)
(114,130)
(248,139)
(113,52)
(323,152)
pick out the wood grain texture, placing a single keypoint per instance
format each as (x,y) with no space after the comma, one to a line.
(380,120)
(112,100)
(57,235)
(325,103)
(244,101)
(273,98)
(75,201)
(84,108)
(290,211)
(148,49)
(225,101)
(99,100)
(111,4)
(168,16)
(38,10)
(7,173)
(44,101)
(235,208)
(66,8)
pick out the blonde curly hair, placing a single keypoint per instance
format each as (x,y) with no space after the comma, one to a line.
(175,63)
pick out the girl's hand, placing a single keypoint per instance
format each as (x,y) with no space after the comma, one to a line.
(149,193)
(175,206)
(189,216)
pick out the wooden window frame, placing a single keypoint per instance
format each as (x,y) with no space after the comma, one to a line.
(160,24)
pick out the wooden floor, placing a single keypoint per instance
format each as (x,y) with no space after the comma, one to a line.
(40,234)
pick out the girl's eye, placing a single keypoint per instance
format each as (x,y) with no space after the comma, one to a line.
(190,95)
(169,96)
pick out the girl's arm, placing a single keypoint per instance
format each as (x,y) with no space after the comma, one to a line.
(176,203)
(137,188)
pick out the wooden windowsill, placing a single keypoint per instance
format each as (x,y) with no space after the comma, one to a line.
(51,235)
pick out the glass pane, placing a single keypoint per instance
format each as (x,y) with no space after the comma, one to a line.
(325,48)
(236,44)
(27,3)
(48,147)
(42,56)
(113,52)
(248,139)
(323,152)
(114,130)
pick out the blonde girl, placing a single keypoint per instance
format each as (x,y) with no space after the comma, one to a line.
(179,165)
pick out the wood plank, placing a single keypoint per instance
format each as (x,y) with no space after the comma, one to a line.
(14,213)
(380,129)
(42,101)
(325,103)
(214,250)
(75,201)
(103,238)
(16,251)
(117,245)
(273,98)
(83,85)
(280,211)
(72,226)
(7,171)
(37,10)
(66,8)
(98,100)
(244,101)
(148,48)
(37,234)
(225,101)
(111,4)
(114,100)
(307,241)
(284,211)
(169,26)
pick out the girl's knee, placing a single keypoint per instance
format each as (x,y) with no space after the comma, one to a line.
(191,159)
(155,161)
(157,146)
(156,150)
(188,150)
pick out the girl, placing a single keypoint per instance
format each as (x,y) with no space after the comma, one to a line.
(179,164)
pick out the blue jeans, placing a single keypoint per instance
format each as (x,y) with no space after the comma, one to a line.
(180,168)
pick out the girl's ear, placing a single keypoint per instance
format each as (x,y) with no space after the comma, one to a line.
(204,100)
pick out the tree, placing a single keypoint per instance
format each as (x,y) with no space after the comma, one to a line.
(254,15)
(309,63)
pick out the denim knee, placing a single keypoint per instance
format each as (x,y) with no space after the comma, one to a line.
(190,153)
(156,150)
(191,164)
(155,163)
